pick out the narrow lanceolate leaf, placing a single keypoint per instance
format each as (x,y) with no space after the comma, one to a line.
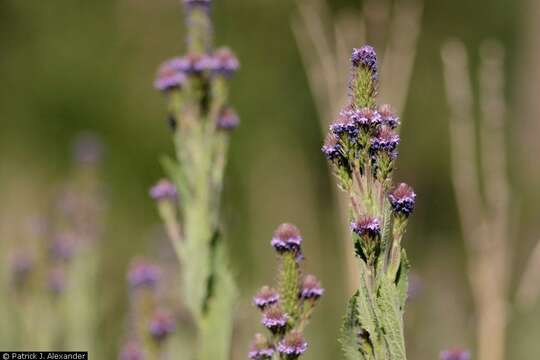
(391,320)
(403,280)
(386,238)
(217,322)
(349,340)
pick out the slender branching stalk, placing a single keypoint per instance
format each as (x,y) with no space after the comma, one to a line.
(362,147)
(196,88)
(324,42)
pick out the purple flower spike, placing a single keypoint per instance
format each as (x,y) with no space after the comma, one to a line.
(455,354)
(365,57)
(169,76)
(266,297)
(367,226)
(286,238)
(386,140)
(163,190)
(292,346)
(87,148)
(57,280)
(311,288)
(274,319)
(402,199)
(388,117)
(225,62)
(162,325)
(131,351)
(143,274)
(228,119)
(260,348)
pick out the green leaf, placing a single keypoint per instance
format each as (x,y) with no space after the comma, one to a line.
(391,320)
(349,331)
(403,280)
(217,323)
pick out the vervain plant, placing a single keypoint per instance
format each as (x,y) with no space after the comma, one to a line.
(286,311)
(362,148)
(201,120)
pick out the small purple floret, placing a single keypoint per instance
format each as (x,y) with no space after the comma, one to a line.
(143,274)
(292,346)
(386,140)
(389,118)
(286,238)
(203,4)
(163,190)
(170,76)
(266,297)
(225,62)
(228,119)
(367,226)
(455,354)
(162,325)
(63,247)
(311,288)
(274,319)
(260,348)
(194,63)
(402,199)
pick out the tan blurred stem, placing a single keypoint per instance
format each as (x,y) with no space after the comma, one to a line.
(484,226)
(325,47)
(528,290)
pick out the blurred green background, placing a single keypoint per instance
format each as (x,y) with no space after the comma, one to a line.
(68,65)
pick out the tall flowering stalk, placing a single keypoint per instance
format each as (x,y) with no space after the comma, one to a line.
(286,311)
(362,148)
(201,120)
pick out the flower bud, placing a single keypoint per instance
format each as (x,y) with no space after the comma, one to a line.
(164,189)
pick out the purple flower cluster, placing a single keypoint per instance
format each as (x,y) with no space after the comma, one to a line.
(367,226)
(333,150)
(228,119)
(143,274)
(311,288)
(266,297)
(63,247)
(388,117)
(275,319)
(261,348)
(164,189)
(366,58)
(386,140)
(162,325)
(292,346)
(21,267)
(203,4)
(287,238)
(402,199)
(455,354)
(174,73)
